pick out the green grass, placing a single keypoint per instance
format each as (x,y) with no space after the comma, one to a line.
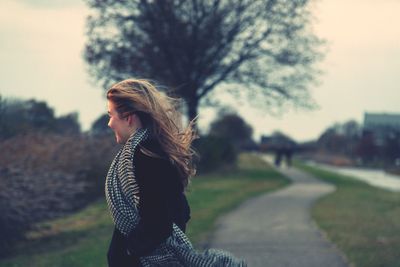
(82,239)
(363,221)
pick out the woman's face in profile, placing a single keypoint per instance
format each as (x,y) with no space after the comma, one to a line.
(120,126)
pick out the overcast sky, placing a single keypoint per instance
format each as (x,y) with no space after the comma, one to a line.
(41,46)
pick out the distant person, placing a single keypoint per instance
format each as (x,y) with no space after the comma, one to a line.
(278,157)
(288,153)
(146,181)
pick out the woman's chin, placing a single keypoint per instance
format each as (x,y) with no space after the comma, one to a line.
(120,140)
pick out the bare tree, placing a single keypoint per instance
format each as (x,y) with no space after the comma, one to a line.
(262,49)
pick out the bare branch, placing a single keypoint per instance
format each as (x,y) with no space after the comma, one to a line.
(196,45)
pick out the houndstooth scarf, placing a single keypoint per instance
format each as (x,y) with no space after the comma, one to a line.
(122,194)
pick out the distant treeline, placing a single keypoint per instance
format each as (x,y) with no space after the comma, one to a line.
(375,147)
(23,116)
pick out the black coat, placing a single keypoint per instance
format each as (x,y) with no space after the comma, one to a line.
(162,202)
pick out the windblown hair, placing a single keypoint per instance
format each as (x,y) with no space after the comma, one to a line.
(158,113)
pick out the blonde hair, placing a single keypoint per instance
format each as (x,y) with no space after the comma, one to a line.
(158,113)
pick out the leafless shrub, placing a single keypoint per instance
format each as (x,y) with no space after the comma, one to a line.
(46,176)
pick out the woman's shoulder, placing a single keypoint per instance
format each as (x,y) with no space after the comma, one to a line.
(149,154)
(151,148)
(151,159)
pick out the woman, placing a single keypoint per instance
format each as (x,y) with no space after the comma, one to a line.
(145,183)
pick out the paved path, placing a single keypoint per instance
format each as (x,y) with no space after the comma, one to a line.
(276,230)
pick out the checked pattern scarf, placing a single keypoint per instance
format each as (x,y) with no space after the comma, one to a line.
(122,194)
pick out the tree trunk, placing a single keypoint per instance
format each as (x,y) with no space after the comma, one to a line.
(192,107)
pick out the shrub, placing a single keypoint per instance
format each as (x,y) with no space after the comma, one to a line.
(46,176)
(26,199)
(214,153)
(234,128)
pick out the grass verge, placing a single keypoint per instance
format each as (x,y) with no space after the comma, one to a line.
(363,221)
(81,239)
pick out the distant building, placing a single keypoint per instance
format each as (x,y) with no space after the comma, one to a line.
(381,125)
(378,120)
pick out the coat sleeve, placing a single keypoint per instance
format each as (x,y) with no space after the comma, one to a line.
(155,224)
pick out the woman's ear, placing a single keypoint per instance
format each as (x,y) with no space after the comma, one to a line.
(134,119)
(131,119)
